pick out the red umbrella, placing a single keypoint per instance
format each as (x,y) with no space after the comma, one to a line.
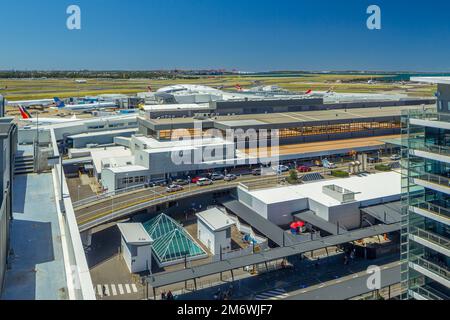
(297,224)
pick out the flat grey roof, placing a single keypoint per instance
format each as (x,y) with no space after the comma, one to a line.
(311,217)
(215,219)
(134,233)
(387,213)
(283,119)
(164,279)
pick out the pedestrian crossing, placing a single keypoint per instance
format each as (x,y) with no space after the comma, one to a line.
(276,294)
(112,290)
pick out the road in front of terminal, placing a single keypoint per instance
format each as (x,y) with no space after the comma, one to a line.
(106,206)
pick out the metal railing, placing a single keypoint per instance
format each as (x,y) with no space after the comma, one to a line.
(428,293)
(427,115)
(218,185)
(113,213)
(430,236)
(427,147)
(106,195)
(433,208)
(429,177)
(430,266)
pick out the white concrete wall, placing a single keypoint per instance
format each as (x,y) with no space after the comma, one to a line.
(217,239)
(206,236)
(221,241)
(281,213)
(126,255)
(140,262)
(348,215)
(143,260)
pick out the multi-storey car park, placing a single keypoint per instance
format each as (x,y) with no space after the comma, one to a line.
(425,240)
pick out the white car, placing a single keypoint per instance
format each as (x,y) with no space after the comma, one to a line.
(280,169)
(396,157)
(204,182)
(174,188)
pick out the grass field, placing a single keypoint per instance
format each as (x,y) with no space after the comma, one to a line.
(63,88)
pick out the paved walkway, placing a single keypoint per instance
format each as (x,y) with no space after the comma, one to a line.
(277,285)
(37,267)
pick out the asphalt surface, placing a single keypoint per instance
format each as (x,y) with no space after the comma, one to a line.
(330,280)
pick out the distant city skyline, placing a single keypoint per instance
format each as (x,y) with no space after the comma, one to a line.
(252,36)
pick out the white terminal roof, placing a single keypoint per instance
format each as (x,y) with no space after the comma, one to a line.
(128,169)
(134,233)
(98,154)
(215,219)
(154,145)
(174,107)
(101,133)
(434,80)
(371,187)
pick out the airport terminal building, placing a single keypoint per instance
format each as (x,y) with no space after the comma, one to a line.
(245,129)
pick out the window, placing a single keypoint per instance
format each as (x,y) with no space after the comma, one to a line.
(228,233)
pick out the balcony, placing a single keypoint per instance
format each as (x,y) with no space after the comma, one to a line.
(431,211)
(427,293)
(419,148)
(431,270)
(429,119)
(430,240)
(431,181)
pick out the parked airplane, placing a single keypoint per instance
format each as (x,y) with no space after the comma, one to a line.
(26,116)
(60,105)
(29,103)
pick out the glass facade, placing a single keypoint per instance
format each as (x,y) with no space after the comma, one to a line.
(425,239)
(172,243)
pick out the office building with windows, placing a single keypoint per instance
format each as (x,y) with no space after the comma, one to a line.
(426,197)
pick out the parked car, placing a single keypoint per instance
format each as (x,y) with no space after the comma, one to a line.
(204,182)
(174,188)
(181,182)
(195,179)
(280,168)
(156,183)
(374,159)
(396,157)
(230,177)
(217,176)
(257,172)
(304,169)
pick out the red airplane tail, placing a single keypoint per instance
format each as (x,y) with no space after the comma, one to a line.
(24,113)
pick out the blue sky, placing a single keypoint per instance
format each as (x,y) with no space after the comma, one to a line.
(249,35)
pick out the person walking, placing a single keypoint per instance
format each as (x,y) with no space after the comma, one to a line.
(163,295)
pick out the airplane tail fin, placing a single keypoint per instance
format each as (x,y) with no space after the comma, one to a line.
(308,92)
(24,113)
(59,103)
(238,87)
(149,89)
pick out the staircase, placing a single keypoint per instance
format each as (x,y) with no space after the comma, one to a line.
(23,165)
